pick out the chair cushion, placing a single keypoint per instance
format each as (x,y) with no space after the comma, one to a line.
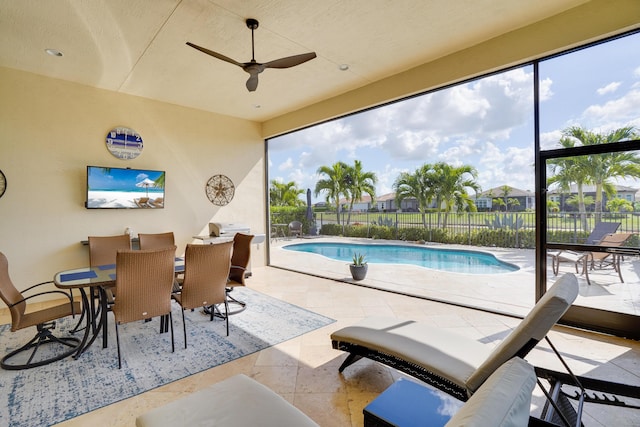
(504,400)
(237,401)
(533,328)
(442,352)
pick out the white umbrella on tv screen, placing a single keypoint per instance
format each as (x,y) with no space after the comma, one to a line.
(146,183)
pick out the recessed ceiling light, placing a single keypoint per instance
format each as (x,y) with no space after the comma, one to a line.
(53,52)
(343,67)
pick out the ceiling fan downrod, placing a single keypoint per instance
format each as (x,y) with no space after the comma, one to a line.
(252,24)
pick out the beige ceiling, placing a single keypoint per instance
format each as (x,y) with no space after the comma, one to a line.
(138,47)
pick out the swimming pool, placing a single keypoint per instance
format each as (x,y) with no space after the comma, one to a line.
(453,260)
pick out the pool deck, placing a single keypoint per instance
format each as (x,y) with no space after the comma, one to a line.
(510,293)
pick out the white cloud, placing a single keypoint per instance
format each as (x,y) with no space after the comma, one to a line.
(512,166)
(610,88)
(545,89)
(620,110)
(286,165)
(386,178)
(549,140)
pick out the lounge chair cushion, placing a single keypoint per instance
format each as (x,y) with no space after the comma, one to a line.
(440,351)
(238,401)
(504,400)
(533,328)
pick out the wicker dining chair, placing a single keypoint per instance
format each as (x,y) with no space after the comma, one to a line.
(206,268)
(144,280)
(158,241)
(102,251)
(43,320)
(239,264)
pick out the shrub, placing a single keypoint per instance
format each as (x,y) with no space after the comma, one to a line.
(288,214)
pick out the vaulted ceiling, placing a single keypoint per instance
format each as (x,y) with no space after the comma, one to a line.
(138,47)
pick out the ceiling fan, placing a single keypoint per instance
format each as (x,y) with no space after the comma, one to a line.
(254,68)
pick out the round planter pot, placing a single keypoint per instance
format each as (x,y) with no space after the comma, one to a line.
(358,272)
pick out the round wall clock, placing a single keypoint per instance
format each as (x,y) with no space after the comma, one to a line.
(220,190)
(124,143)
(3,184)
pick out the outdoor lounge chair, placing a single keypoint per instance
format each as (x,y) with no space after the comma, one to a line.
(602,260)
(156,203)
(454,364)
(601,230)
(459,365)
(142,202)
(595,260)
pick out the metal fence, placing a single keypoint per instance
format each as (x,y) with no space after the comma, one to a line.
(513,229)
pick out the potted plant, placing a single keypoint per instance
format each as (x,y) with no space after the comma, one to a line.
(358,267)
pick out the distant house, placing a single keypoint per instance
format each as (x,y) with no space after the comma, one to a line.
(383,203)
(525,198)
(622,192)
(362,205)
(484,202)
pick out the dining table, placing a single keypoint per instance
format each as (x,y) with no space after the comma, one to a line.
(98,279)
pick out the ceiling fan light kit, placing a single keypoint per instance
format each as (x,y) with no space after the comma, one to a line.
(253,67)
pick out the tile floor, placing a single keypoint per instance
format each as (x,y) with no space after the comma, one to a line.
(305,370)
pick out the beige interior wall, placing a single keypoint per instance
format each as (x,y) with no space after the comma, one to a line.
(586,23)
(50,130)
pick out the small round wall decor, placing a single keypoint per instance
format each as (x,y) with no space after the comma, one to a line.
(124,143)
(220,190)
(3,184)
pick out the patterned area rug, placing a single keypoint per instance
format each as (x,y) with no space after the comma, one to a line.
(65,389)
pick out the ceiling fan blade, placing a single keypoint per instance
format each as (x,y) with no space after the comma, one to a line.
(215,54)
(252,83)
(290,61)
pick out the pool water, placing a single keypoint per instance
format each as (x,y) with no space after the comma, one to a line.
(458,261)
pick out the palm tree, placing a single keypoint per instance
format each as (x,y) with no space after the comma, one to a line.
(617,205)
(505,190)
(415,185)
(450,185)
(570,170)
(285,194)
(609,165)
(334,184)
(597,169)
(553,206)
(359,182)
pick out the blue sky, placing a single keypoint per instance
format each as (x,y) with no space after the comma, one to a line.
(487,123)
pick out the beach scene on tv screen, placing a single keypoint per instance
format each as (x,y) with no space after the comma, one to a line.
(124,188)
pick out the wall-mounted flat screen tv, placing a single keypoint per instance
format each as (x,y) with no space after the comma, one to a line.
(119,188)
